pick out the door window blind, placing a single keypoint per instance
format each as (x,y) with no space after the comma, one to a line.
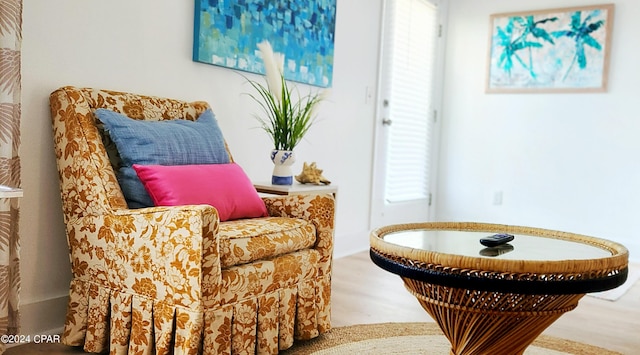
(410,34)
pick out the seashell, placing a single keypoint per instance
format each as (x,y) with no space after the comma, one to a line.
(312,175)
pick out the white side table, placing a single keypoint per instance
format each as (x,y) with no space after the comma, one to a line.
(10,192)
(295,189)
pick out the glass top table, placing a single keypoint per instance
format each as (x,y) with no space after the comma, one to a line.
(522,247)
(495,300)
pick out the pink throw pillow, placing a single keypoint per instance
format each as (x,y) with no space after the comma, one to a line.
(223,186)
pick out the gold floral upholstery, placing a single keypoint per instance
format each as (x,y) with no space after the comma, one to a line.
(163,280)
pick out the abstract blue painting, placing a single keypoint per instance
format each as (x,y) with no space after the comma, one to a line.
(226,33)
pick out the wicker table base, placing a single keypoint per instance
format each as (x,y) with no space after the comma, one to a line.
(496,301)
(483,322)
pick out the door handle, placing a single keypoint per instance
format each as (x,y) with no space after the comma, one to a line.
(386,122)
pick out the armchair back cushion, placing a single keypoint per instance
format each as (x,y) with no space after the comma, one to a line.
(91,186)
(168,142)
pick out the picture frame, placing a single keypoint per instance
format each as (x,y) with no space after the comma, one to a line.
(555,50)
(226,33)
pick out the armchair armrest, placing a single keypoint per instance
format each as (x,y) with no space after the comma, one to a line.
(164,253)
(319,210)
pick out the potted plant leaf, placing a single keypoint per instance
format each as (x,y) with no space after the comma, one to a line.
(287,117)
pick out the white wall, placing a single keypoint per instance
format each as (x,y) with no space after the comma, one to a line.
(562,161)
(145,47)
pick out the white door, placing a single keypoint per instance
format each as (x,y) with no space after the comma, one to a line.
(407,113)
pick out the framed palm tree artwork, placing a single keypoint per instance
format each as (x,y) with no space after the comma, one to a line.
(557,50)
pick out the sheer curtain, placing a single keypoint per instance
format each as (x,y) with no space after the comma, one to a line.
(10,44)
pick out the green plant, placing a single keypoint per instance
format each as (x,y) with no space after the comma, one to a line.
(287,119)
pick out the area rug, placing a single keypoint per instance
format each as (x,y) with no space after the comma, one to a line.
(415,338)
(614,294)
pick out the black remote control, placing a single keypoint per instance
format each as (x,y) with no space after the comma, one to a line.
(496,239)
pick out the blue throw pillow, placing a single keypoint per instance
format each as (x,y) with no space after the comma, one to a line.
(168,142)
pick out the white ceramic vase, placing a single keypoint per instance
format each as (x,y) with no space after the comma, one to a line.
(282,161)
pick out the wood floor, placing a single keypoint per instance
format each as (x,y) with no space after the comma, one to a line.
(363,293)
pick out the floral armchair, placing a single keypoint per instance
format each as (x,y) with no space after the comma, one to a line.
(175,279)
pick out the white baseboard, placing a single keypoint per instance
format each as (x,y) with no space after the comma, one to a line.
(43,317)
